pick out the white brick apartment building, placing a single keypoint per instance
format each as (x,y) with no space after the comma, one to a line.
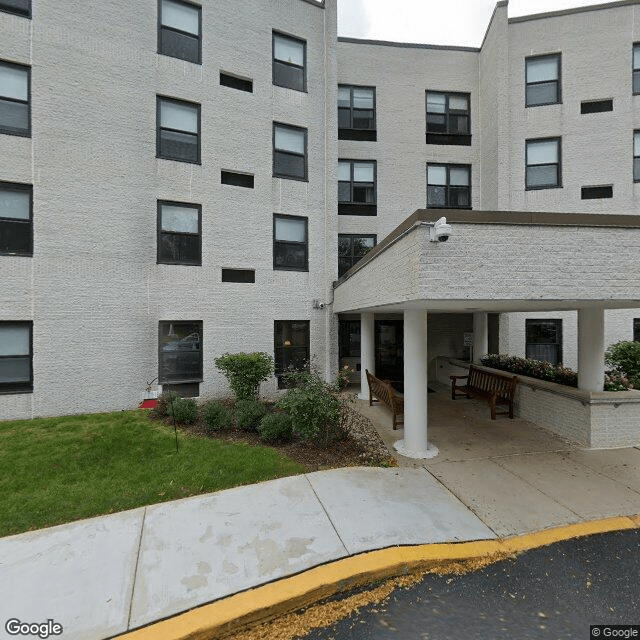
(192,178)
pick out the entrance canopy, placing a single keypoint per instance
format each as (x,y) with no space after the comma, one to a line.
(499,261)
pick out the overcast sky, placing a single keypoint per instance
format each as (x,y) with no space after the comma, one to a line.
(453,22)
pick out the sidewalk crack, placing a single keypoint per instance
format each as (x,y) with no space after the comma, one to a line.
(135,570)
(328,516)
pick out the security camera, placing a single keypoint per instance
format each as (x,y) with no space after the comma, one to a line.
(440,231)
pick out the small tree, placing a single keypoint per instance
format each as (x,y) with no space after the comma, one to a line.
(245,371)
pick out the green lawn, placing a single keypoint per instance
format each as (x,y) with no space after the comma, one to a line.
(55,470)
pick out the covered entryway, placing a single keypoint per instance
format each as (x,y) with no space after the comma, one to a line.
(494,262)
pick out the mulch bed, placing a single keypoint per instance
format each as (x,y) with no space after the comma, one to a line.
(360,444)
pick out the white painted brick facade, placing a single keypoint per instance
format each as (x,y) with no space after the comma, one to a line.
(93,288)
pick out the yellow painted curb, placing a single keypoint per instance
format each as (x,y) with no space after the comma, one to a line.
(222,617)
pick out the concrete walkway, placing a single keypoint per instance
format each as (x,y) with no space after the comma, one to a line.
(101,577)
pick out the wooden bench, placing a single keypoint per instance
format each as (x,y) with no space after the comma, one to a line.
(384,392)
(494,388)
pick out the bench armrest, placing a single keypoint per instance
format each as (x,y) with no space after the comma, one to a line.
(454,378)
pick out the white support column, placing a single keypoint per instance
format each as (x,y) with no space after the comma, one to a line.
(480,335)
(591,349)
(367,352)
(414,444)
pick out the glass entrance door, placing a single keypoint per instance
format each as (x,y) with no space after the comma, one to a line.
(389,342)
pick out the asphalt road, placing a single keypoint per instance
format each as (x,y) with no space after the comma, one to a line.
(555,592)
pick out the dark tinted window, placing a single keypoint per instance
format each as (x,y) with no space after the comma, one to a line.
(356,113)
(289,152)
(290,243)
(19,7)
(596,106)
(351,248)
(238,275)
(237,179)
(179,352)
(16,219)
(593,193)
(178,130)
(242,84)
(544,340)
(179,30)
(179,233)
(291,347)
(16,355)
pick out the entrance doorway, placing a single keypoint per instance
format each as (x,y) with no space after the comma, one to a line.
(389,351)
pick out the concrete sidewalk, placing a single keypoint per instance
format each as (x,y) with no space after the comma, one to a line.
(101,577)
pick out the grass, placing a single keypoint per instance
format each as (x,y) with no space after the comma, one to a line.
(55,470)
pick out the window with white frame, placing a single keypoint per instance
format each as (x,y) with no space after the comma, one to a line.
(289,152)
(16,357)
(179,233)
(178,130)
(179,30)
(542,80)
(356,113)
(16,219)
(15,99)
(357,187)
(289,62)
(290,243)
(543,168)
(449,186)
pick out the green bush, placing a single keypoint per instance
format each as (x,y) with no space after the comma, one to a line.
(165,400)
(624,359)
(183,410)
(313,407)
(217,416)
(248,412)
(276,427)
(245,371)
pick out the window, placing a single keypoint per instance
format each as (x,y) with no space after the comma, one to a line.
(291,347)
(289,152)
(636,156)
(16,219)
(236,82)
(236,179)
(356,113)
(289,62)
(636,68)
(238,275)
(449,185)
(594,193)
(357,187)
(179,352)
(544,340)
(16,357)
(19,7)
(596,106)
(448,118)
(351,248)
(636,329)
(179,30)
(178,135)
(15,91)
(543,164)
(290,243)
(543,80)
(179,233)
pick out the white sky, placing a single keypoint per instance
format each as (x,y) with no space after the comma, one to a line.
(451,22)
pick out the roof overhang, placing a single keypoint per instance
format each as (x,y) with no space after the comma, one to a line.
(499,261)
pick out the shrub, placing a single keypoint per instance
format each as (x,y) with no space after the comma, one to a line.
(624,358)
(183,410)
(313,407)
(245,371)
(248,412)
(165,400)
(276,427)
(217,416)
(533,368)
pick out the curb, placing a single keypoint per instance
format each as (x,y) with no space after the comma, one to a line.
(222,617)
